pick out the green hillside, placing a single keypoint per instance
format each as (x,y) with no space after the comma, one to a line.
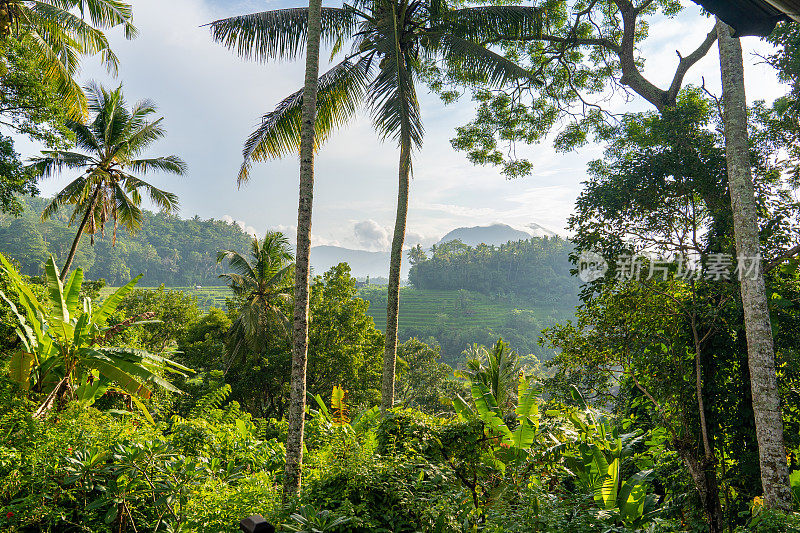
(456,319)
(453,319)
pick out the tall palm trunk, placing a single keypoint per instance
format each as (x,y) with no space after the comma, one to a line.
(760,350)
(393,297)
(76,242)
(297,405)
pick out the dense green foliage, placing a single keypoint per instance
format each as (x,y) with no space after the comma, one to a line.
(537,270)
(29,106)
(64,349)
(15,180)
(639,419)
(671,345)
(58,34)
(167,250)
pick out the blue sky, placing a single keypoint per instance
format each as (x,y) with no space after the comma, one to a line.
(211,101)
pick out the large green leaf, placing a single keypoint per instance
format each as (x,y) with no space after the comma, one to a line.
(462,408)
(610,487)
(633,494)
(34,311)
(488,411)
(24,331)
(147,359)
(59,309)
(127,382)
(20,369)
(120,358)
(112,302)
(72,292)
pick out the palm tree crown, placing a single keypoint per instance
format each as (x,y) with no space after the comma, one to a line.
(261,284)
(499,369)
(60,31)
(114,138)
(393,43)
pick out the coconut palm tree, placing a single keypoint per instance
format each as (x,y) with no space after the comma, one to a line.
(498,369)
(261,283)
(115,138)
(58,32)
(394,44)
(302,283)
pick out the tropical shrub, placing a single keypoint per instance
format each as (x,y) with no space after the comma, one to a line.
(66,350)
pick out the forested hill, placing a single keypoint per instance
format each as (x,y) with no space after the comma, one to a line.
(536,269)
(166,250)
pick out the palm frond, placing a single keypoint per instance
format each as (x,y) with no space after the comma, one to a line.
(490,23)
(394,103)
(53,162)
(84,137)
(125,209)
(48,20)
(341,91)
(170,164)
(476,60)
(278,34)
(165,201)
(109,14)
(59,66)
(71,194)
(392,94)
(137,140)
(275,246)
(237,262)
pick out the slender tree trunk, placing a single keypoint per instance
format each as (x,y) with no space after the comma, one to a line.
(77,240)
(297,405)
(704,476)
(760,350)
(704,472)
(393,297)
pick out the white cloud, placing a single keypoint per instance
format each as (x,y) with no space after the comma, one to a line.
(250,230)
(371,236)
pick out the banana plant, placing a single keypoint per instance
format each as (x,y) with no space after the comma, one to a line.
(515,445)
(66,349)
(596,456)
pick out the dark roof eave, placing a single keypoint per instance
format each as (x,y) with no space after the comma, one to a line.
(751,17)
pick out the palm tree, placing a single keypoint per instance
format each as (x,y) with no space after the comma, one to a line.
(261,284)
(60,31)
(297,404)
(106,190)
(394,43)
(758,329)
(498,369)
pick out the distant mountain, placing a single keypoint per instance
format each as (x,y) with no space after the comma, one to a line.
(376,264)
(362,263)
(496,234)
(540,231)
